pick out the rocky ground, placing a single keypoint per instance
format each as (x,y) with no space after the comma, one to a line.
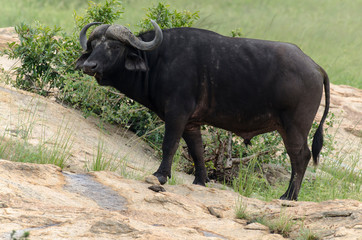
(51,203)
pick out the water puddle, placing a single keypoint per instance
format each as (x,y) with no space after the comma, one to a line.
(104,196)
(213,235)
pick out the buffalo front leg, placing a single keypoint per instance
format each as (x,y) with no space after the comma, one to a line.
(174,127)
(192,137)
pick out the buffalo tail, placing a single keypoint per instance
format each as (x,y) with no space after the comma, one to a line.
(318,136)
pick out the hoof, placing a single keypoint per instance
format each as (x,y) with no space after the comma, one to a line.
(289,198)
(199,182)
(283,198)
(162,179)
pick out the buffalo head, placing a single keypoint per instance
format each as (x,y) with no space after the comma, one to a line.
(111,48)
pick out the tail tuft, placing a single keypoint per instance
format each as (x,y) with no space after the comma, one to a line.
(317,144)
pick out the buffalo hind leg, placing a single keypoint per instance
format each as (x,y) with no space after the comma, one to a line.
(299,158)
(193,139)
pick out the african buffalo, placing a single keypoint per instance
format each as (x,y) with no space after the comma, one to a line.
(190,77)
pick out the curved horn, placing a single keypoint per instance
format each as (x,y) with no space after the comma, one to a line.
(83,34)
(123,34)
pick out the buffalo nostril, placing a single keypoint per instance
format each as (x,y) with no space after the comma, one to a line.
(90,66)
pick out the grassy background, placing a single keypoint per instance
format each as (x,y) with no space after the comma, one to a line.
(330,31)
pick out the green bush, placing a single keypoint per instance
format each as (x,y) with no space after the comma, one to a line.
(106,13)
(167,18)
(237,33)
(38,52)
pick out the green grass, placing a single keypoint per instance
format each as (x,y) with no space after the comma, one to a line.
(250,180)
(16,142)
(337,178)
(282,224)
(329,31)
(175,180)
(55,150)
(105,159)
(51,12)
(101,161)
(240,210)
(307,234)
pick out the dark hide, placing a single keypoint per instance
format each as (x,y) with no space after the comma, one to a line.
(198,77)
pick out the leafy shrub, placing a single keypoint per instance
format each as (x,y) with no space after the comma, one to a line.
(106,13)
(166,18)
(38,52)
(237,32)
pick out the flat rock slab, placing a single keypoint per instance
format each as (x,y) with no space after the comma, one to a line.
(52,204)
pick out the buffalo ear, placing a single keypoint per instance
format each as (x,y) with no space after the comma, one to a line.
(135,63)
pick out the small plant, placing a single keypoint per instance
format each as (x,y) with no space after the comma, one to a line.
(250,179)
(24,236)
(174,180)
(237,33)
(102,160)
(5,76)
(240,211)
(281,225)
(26,121)
(307,234)
(58,148)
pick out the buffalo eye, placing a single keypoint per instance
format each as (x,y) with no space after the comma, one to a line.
(115,45)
